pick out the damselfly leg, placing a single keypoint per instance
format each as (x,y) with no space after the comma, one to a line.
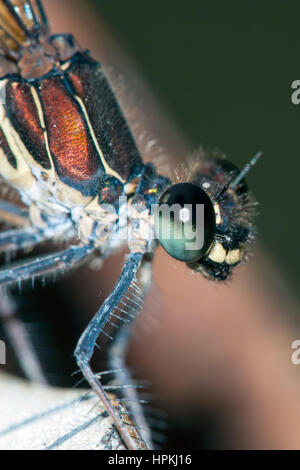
(118,350)
(16,274)
(18,337)
(21,239)
(115,304)
(65,260)
(43,265)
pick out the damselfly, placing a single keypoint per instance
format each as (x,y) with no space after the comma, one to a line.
(66,147)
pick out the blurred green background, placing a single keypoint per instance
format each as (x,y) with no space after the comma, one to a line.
(223,70)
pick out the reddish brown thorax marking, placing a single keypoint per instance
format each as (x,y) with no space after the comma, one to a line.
(62,107)
(77,84)
(24,116)
(70,143)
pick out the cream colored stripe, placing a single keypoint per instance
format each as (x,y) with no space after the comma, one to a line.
(40,112)
(65,66)
(108,170)
(22,177)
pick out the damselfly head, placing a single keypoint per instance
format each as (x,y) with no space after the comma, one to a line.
(207,222)
(176,230)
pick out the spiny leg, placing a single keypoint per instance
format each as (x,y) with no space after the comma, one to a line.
(29,269)
(13,240)
(19,340)
(44,265)
(25,237)
(21,239)
(118,351)
(87,342)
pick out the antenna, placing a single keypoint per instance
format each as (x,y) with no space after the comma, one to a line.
(235,181)
(245,170)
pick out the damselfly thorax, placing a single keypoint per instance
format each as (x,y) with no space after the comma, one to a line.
(65,144)
(66,147)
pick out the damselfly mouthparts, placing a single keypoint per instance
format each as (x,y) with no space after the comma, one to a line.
(66,147)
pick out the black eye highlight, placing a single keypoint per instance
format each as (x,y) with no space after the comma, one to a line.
(185,222)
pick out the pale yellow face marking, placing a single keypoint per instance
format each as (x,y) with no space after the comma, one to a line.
(108,170)
(217,253)
(234,256)
(219,220)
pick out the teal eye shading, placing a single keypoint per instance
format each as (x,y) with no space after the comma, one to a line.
(185,222)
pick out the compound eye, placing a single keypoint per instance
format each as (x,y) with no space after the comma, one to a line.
(185,222)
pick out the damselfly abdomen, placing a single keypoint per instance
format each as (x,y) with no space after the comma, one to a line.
(66,147)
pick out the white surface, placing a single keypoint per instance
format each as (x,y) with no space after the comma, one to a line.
(38,417)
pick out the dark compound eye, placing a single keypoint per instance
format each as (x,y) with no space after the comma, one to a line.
(185,222)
